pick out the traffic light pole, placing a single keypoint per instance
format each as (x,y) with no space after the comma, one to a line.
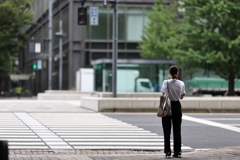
(115,48)
(50,46)
(60,54)
(114,40)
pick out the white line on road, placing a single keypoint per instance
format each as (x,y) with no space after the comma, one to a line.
(127,134)
(28,147)
(127,147)
(116,143)
(29,121)
(21,140)
(223,119)
(102,131)
(210,123)
(202,149)
(109,136)
(114,140)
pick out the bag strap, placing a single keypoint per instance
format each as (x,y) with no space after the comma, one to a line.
(168,89)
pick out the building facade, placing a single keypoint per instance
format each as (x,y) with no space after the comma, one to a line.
(81,44)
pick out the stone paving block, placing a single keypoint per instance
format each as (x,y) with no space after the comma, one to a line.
(229,153)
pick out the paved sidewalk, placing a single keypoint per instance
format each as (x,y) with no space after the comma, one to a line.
(38,106)
(229,153)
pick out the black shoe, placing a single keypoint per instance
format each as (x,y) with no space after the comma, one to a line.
(179,155)
(168,155)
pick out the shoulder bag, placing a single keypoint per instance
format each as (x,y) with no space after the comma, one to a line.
(164,108)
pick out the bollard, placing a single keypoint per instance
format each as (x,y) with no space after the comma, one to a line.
(3,150)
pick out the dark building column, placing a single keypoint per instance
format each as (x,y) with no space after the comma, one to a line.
(76,43)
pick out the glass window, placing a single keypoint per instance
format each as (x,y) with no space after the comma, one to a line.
(134,24)
(65,24)
(100,32)
(55,29)
(147,11)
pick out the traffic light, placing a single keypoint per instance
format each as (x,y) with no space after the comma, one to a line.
(82,16)
(34,66)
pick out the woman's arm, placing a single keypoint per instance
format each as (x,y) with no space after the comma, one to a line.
(182,96)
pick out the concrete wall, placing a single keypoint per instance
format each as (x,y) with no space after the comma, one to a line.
(198,103)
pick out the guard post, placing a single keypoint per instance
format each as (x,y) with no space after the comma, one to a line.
(3,150)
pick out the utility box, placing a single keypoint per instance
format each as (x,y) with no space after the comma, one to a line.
(85,80)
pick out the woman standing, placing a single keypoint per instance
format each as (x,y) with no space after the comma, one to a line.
(175,90)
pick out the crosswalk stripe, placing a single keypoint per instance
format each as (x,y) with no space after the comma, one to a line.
(105,129)
(127,147)
(17,136)
(28,147)
(102,131)
(114,140)
(116,143)
(10,133)
(26,143)
(127,134)
(21,140)
(110,136)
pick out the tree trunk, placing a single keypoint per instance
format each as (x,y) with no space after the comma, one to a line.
(231,78)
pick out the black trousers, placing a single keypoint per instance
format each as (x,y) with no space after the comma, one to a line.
(176,121)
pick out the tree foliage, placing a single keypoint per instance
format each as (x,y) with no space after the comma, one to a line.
(208,37)
(13,17)
(159,31)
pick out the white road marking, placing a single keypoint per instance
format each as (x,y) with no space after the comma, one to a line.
(127,147)
(30,121)
(234,124)
(202,149)
(17,136)
(223,119)
(116,143)
(102,131)
(28,147)
(21,140)
(115,140)
(111,136)
(210,123)
(98,129)
(127,134)
(26,144)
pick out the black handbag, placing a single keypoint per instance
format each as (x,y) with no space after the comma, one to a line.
(164,108)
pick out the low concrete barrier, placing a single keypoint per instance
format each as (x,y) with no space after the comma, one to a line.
(128,95)
(99,104)
(66,92)
(43,96)
(76,95)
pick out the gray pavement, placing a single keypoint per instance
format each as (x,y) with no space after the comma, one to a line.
(228,153)
(30,105)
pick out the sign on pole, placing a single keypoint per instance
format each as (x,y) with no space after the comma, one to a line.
(38,47)
(39,64)
(94,16)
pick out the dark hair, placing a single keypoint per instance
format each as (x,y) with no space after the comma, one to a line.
(173,70)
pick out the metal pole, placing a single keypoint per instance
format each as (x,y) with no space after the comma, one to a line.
(60,54)
(115,47)
(50,46)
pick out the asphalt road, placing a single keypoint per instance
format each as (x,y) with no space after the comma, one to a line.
(197,135)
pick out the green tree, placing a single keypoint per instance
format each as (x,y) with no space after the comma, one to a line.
(13,17)
(159,32)
(210,37)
